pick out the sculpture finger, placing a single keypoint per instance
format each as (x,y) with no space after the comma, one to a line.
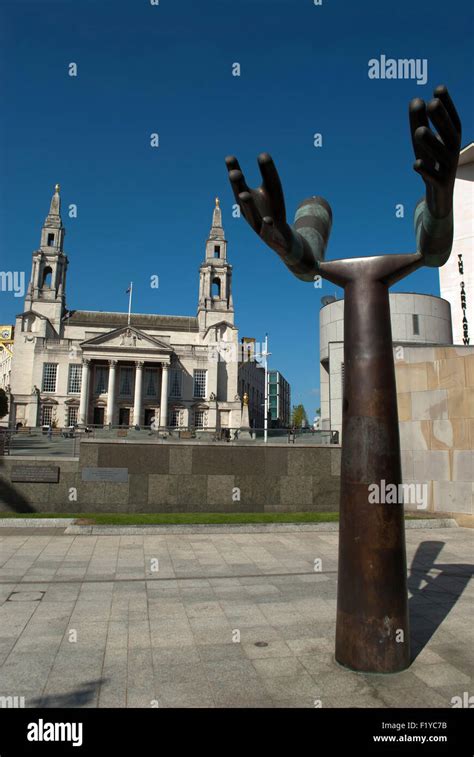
(418,118)
(429,148)
(267,230)
(272,187)
(238,182)
(445,127)
(442,94)
(428,174)
(250,211)
(232,163)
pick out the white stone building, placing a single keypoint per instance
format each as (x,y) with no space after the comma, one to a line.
(456,277)
(6,355)
(100,368)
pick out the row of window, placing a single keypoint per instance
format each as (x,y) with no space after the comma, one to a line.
(126,380)
(47,415)
(176,419)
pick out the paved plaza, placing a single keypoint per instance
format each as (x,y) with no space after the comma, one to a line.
(228,619)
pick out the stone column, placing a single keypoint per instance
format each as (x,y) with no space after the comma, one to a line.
(84,400)
(137,404)
(164,395)
(109,418)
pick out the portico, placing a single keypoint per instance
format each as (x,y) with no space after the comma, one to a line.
(126,373)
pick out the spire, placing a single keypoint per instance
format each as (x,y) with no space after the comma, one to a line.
(215,276)
(47,287)
(53,219)
(53,231)
(217,232)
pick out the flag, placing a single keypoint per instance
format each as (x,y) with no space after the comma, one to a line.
(127,291)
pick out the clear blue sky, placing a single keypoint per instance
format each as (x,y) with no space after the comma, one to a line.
(168,69)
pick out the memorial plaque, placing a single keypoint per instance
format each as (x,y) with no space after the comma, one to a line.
(35,474)
(115,475)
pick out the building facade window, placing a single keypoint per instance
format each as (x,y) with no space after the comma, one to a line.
(126,381)
(72,416)
(216,288)
(200,383)
(175,418)
(74,379)
(176,383)
(101,379)
(151,382)
(200,418)
(47,277)
(46,415)
(50,373)
(416,325)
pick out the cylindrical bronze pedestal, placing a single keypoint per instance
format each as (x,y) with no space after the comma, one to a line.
(372,632)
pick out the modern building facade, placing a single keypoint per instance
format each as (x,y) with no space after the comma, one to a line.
(456,277)
(417,319)
(279,400)
(104,368)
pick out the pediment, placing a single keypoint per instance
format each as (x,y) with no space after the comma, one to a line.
(223,323)
(126,338)
(32,312)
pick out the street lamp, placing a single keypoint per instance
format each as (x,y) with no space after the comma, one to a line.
(265,354)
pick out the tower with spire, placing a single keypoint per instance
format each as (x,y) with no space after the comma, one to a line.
(215,277)
(46,293)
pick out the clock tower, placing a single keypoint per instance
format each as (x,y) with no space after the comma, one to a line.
(46,293)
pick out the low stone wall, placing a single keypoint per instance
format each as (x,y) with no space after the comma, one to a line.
(180,477)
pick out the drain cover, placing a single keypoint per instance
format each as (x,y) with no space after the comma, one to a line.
(25,596)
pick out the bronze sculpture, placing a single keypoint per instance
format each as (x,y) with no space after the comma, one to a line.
(372,630)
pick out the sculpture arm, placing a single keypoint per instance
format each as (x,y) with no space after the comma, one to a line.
(434,236)
(301,246)
(437,155)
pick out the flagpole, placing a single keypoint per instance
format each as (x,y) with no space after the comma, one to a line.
(130,302)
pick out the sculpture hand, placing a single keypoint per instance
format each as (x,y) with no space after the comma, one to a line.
(436,154)
(302,246)
(263,208)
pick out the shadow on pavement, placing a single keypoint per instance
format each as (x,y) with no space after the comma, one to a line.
(430,604)
(78,698)
(11,497)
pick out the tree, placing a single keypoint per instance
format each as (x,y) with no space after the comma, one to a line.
(3,403)
(299,417)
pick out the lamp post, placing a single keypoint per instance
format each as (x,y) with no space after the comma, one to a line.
(265,354)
